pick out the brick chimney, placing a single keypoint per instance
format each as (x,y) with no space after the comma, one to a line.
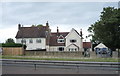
(81,33)
(47,24)
(57,31)
(19,26)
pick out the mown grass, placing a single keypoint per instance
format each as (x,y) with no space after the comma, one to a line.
(64,59)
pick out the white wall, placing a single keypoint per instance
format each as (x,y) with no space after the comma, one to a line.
(72,47)
(34,45)
(73,35)
(47,47)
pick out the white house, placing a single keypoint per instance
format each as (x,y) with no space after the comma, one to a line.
(33,37)
(73,41)
(41,38)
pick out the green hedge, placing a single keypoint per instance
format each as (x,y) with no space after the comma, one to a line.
(13,45)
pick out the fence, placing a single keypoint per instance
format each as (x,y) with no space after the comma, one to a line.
(64,54)
(116,54)
(12,51)
(107,65)
(54,54)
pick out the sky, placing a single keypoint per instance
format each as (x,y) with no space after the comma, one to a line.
(65,15)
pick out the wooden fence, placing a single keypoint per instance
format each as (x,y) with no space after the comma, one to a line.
(13,51)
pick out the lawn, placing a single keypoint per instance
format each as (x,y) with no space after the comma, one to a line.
(63,59)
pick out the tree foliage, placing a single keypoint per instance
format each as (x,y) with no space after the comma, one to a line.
(13,45)
(107,29)
(10,40)
(39,25)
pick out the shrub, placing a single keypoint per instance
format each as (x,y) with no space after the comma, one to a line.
(13,45)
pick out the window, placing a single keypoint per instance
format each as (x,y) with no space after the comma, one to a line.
(61,48)
(73,40)
(60,40)
(23,41)
(38,40)
(72,49)
(30,41)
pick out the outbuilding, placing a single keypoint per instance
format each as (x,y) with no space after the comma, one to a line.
(102,50)
(101,46)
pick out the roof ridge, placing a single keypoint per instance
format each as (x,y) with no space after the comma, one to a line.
(60,32)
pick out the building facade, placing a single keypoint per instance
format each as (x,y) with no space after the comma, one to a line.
(41,38)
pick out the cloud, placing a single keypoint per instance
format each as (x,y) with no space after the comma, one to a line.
(66,15)
(8,33)
(61,12)
(0,14)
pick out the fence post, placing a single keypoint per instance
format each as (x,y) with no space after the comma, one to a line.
(77,68)
(35,66)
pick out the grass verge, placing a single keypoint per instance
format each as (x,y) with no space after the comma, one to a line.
(64,59)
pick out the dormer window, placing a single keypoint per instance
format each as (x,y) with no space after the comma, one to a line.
(60,40)
(73,40)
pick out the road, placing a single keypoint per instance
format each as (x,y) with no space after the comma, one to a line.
(21,68)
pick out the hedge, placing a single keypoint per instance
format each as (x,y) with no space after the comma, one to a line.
(13,45)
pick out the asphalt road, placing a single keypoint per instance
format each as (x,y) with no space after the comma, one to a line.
(51,69)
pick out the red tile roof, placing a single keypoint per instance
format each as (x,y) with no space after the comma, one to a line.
(54,37)
(87,44)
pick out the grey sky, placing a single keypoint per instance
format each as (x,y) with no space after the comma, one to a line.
(65,15)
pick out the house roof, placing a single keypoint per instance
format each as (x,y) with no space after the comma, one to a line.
(75,31)
(87,44)
(32,32)
(54,37)
(74,45)
(101,45)
(61,37)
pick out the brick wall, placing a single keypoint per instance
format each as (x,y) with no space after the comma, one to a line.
(54,54)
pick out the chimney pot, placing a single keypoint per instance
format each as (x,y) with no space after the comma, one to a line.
(81,32)
(57,31)
(19,26)
(47,24)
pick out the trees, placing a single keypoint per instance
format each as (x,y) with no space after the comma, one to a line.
(10,40)
(10,43)
(39,25)
(107,29)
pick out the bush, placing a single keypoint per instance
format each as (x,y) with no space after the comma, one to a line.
(13,45)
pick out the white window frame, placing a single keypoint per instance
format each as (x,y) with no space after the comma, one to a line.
(73,39)
(59,41)
(72,49)
(23,41)
(30,40)
(62,48)
(37,41)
